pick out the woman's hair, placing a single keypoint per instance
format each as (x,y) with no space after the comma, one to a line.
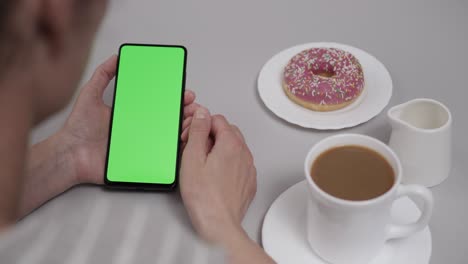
(6,7)
(7,35)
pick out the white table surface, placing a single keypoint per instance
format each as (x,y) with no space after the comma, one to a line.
(422,43)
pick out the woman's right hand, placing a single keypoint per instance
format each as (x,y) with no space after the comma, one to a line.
(218,177)
(218,183)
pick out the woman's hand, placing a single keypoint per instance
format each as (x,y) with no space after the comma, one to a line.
(217,183)
(86,130)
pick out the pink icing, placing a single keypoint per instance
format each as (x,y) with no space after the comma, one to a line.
(300,76)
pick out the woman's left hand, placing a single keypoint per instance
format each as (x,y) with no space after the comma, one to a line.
(86,130)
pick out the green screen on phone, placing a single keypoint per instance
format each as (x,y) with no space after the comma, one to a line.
(144,135)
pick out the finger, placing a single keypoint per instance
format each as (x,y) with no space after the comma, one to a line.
(187,122)
(253,177)
(209,144)
(238,132)
(250,189)
(103,75)
(189,97)
(199,133)
(220,125)
(184,135)
(185,128)
(190,109)
(182,146)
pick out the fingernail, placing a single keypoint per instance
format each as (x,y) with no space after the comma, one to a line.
(201,113)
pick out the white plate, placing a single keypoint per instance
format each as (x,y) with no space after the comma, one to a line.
(284,236)
(376,94)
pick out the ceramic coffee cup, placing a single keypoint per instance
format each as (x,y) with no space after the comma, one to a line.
(352,232)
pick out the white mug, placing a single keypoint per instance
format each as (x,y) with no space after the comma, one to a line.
(422,138)
(352,232)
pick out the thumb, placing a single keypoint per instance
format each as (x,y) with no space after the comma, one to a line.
(102,76)
(199,133)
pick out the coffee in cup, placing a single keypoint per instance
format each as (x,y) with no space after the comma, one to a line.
(353,181)
(352,172)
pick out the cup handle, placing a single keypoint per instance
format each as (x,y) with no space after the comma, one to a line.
(405,230)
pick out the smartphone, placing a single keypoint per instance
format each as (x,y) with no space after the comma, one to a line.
(146,121)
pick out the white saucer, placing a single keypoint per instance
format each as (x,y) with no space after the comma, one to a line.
(376,95)
(284,233)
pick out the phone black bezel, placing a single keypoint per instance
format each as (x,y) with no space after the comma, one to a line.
(148,186)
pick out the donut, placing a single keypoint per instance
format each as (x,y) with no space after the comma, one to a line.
(323,79)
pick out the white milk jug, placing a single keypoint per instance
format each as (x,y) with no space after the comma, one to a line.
(421,137)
